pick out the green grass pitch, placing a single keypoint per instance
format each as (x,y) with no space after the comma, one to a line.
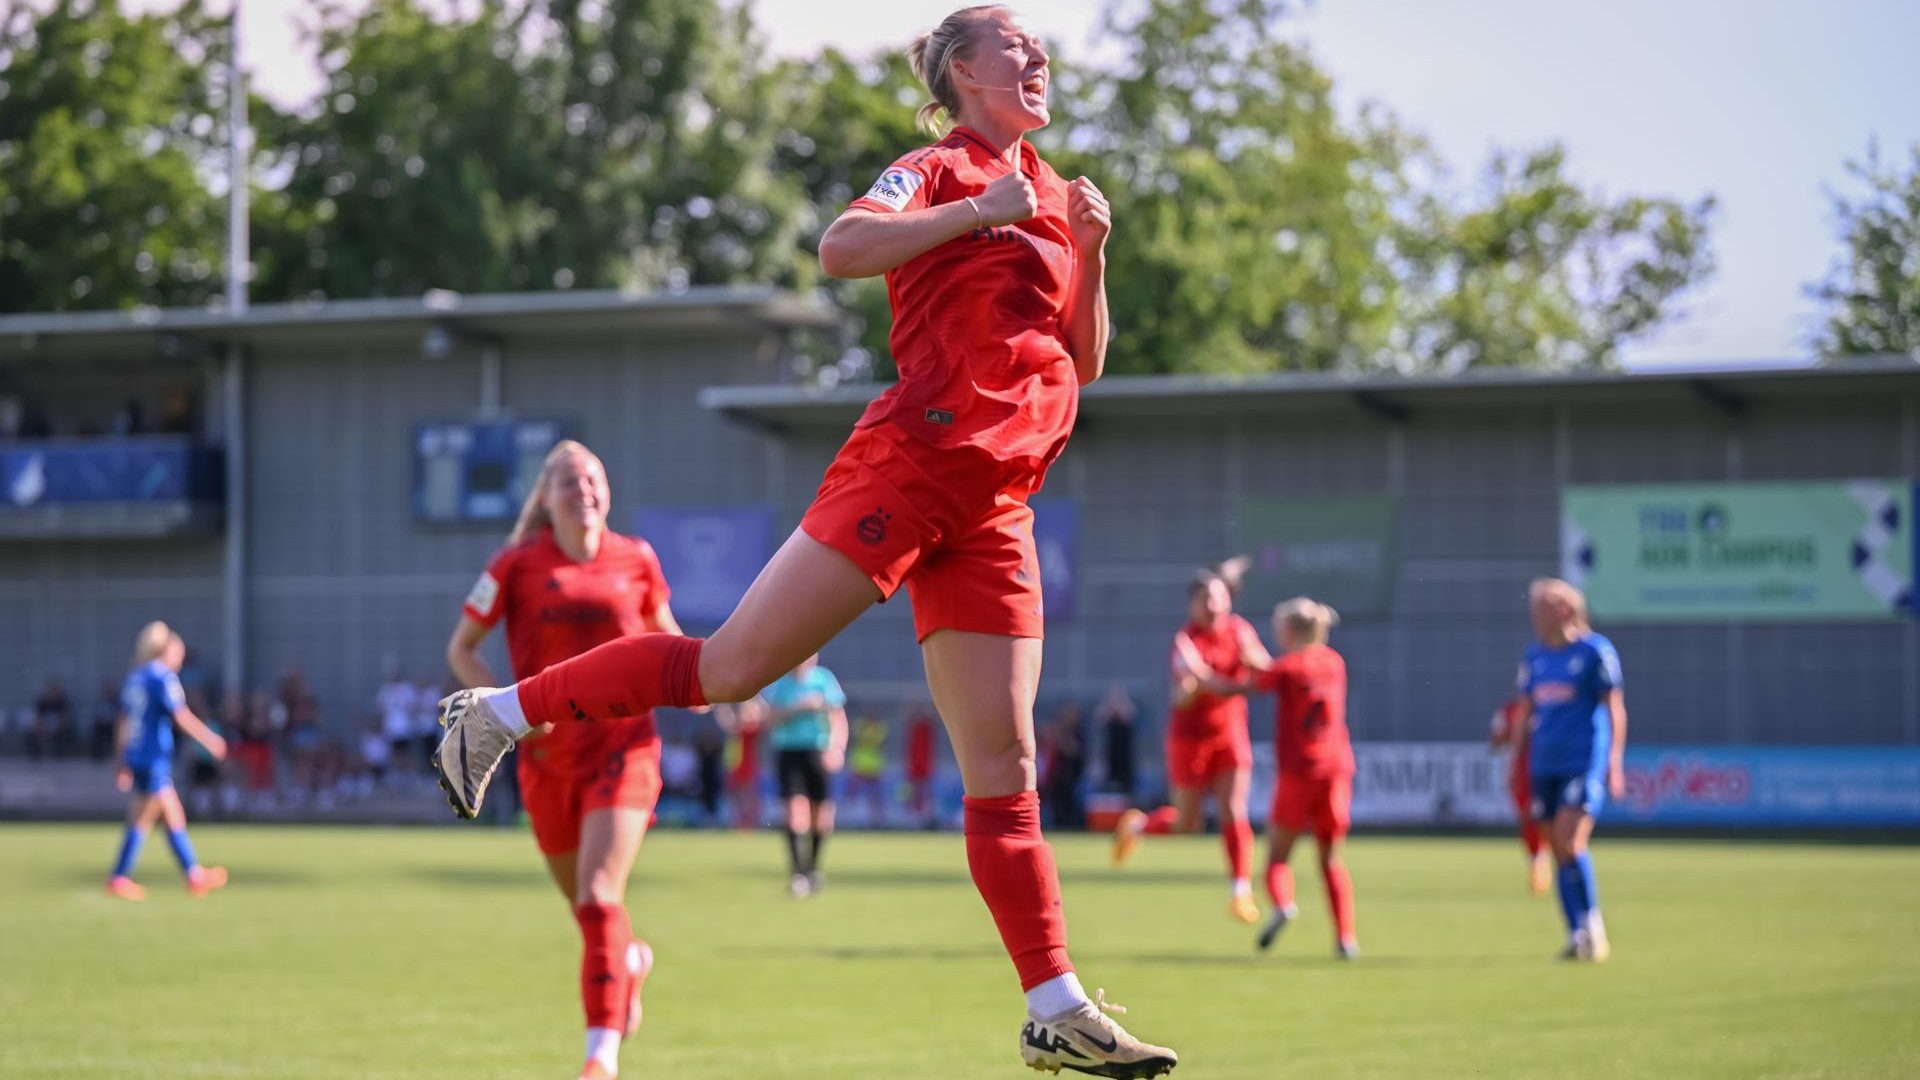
(444,954)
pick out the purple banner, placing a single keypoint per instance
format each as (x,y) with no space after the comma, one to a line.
(710,554)
(1056,537)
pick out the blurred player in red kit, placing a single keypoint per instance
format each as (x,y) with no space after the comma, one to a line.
(996,272)
(1209,751)
(1511,726)
(564,584)
(920,768)
(1314,755)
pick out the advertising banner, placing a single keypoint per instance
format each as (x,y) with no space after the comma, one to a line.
(1835,787)
(1653,553)
(1815,787)
(1339,551)
(1056,538)
(710,555)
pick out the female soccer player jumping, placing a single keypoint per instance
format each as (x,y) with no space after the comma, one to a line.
(565,583)
(1314,756)
(1209,750)
(1572,683)
(152,703)
(995,269)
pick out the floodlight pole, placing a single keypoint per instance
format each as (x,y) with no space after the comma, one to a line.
(233,602)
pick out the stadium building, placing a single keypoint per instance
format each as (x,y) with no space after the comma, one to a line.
(318,485)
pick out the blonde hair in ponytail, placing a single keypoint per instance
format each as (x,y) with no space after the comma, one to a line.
(931,55)
(151,641)
(533,512)
(1566,595)
(1310,619)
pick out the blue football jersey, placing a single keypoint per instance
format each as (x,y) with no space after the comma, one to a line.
(151,696)
(1569,686)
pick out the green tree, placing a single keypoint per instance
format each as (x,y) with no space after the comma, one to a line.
(589,143)
(1873,293)
(1251,222)
(1543,273)
(1258,229)
(109,126)
(844,121)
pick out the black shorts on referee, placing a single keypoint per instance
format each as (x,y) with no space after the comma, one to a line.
(803,772)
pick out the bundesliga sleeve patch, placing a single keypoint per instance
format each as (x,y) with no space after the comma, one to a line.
(895,188)
(485,592)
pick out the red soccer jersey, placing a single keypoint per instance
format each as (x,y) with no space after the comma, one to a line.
(1310,715)
(557,609)
(977,328)
(1223,648)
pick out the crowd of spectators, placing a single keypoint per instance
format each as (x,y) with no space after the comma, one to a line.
(288,752)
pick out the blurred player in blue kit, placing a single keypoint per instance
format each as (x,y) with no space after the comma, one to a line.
(152,703)
(1571,682)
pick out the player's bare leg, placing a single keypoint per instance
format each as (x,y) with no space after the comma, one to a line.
(983,686)
(804,596)
(1182,815)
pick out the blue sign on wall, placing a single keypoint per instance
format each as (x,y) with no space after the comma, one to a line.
(710,555)
(1056,524)
(1770,786)
(132,470)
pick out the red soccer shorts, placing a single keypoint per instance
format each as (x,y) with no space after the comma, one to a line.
(1198,763)
(559,795)
(952,525)
(1321,806)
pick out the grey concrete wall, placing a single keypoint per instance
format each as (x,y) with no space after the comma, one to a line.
(341,576)
(1479,517)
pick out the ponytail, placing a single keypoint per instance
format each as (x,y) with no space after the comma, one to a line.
(931,56)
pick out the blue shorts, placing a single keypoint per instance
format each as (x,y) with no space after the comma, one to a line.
(1586,792)
(151,777)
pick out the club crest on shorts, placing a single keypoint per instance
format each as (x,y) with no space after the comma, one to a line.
(873,528)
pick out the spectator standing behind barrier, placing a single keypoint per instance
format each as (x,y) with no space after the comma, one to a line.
(53,719)
(103,721)
(426,728)
(1063,765)
(1114,717)
(920,735)
(397,703)
(710,743)
(866,770)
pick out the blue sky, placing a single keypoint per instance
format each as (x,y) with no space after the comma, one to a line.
(1758,102)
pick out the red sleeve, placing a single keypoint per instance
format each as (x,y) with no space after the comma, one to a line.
(487,601)
(905,185)
(1270,680)
(654,579)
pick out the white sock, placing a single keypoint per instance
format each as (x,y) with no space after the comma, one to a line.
(603,1046)
(506,705)
(1242,886)
(1056,995)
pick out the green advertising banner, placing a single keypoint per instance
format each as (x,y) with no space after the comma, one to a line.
(1664,553)
(1337,550)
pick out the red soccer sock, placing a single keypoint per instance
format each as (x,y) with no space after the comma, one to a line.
(622,678)
(1161,822)
(1530,836)
(1280,884)
(1013,868)
(1237,835)
(604,979)
(1339,897)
